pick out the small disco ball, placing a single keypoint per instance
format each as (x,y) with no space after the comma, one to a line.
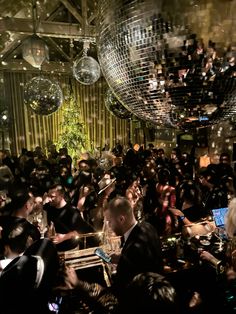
(86,70)
(171,62)
(43,96)
(115,107)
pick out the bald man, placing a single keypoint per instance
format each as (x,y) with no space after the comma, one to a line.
(141,250)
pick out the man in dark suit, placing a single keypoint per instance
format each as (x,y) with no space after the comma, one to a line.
(141,250)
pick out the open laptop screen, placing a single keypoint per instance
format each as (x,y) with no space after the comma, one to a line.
(219,216)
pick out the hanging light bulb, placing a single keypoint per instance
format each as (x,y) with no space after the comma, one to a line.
(86,70)
(34,50)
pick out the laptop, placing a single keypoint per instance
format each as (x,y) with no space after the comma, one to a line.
(219,216)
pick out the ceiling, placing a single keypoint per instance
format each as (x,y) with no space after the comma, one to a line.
(63,24)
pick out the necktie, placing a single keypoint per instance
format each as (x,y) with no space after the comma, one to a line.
(122,241)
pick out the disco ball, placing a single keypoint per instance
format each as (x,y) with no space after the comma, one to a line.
(86,70)
(170,62)
(43,96)
(115,107)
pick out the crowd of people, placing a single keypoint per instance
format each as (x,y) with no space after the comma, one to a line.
(48,205)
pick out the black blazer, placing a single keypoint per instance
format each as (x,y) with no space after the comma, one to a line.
(141,253)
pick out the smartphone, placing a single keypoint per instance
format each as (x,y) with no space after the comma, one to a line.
(104,256)
(54,306)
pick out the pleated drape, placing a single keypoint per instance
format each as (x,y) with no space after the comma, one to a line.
(30,130)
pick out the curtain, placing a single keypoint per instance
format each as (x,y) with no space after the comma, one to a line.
(28,130)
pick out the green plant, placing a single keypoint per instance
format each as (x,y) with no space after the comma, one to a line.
(73,134)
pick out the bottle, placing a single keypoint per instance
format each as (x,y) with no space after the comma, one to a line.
(108,236)
(51,230)
(179,249)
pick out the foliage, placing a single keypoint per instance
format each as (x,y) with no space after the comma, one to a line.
(73,135)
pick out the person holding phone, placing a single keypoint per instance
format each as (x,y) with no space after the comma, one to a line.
(226,266)
(141,252)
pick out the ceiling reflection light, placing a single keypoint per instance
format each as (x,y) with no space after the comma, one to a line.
(4,119)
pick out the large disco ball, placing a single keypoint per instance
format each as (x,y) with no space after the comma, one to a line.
(170,62)
(43,96)
(115,107)
(86,70)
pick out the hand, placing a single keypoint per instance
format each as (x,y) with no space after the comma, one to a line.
(109,189)
(46,198)
(58,238)
(176,211)
(230,274)
(195,300)
(70,279)
(85,190)
(205,255)
(115,258)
